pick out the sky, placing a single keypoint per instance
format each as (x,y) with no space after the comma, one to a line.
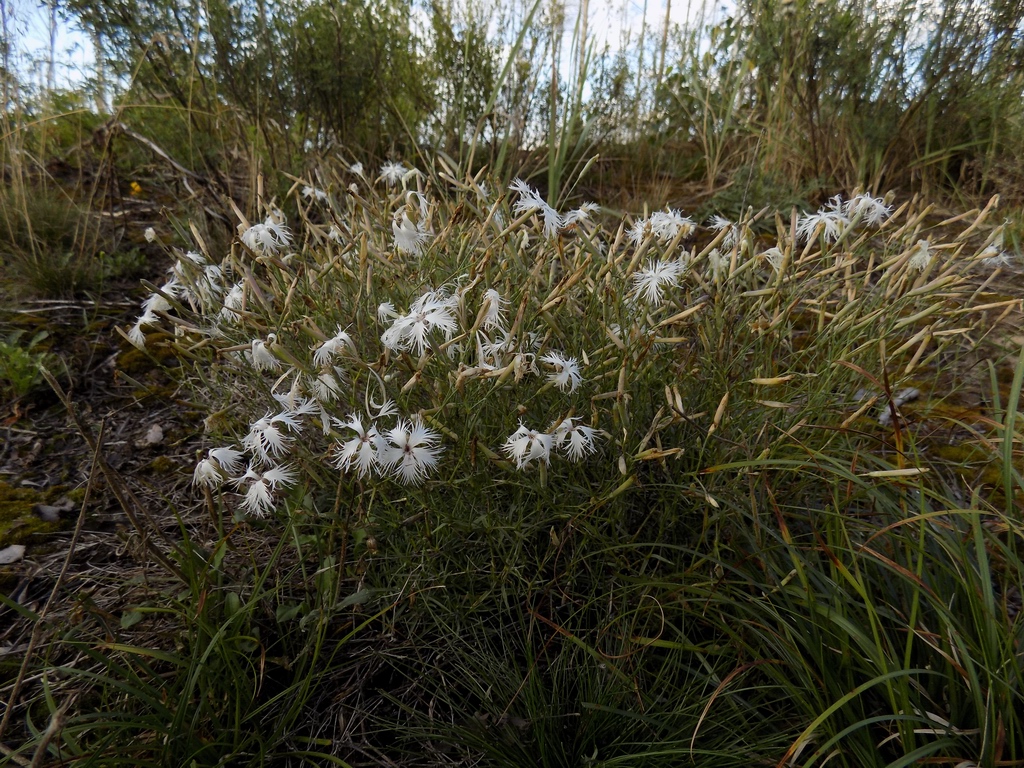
(28,21)
(609,20)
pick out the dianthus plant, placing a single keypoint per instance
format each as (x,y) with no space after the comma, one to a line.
(426,331)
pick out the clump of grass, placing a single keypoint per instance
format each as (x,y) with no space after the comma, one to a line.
(40,230)
(632,491)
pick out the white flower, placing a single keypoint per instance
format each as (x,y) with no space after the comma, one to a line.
(667,224)
(219,464)
(484,361)
(208,288)
(567,371)
(214,275)
(872,210)
(325,387)
(291,400)
(282,475)
(333,346)
(649,282)
(582,213)
(774,257)
(136,334)
(153,304)
(259,497)
(524,445)
(229,459)
(196,279)
(294,406)
(150,234)
(192,257)
(386,311)
(356,168)
(392,173)
(994,256)
(495,349)
(530,200)
(639,231)
(432,310)
(664,225)
(922,256)
(262,358)
(494,316)
(577,438)
(409,237)
(732,235)
(317,194)
(831,222)
(268,237)
(232,302)
(385,409)
(207,474)
(412,453)
(156,302)
(362,451)
(266,439)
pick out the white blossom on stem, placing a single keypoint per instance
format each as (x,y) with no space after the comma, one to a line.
(259,495)
(526,445)
(327,351)
(412,451)
(872,210)
(577,440)
(267,440)
(649,282)
(530,200)
(409,237)
(567,375)
(267,237)
(392,173)
(262,358)
(494,312)
(362,452)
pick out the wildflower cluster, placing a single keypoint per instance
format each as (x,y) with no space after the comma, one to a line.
(343,355)
(530,201)
(432,311)
(665,226)
(837,215)
(574,439)
(408,451)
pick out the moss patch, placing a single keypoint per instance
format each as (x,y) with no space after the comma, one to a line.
(162,465)
(159,353)
(17,520)
(972,461)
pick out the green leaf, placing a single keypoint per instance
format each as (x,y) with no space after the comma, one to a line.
(288,611)
(130,618)
(357,598)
